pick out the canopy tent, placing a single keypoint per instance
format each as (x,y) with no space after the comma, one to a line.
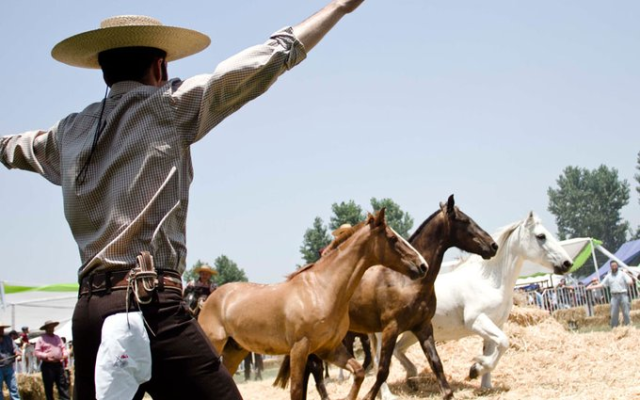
(625,254)
(580,249)
(31,306)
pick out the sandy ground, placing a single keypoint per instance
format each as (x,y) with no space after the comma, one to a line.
(544,361)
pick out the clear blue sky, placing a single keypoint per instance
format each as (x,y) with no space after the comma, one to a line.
(407,99)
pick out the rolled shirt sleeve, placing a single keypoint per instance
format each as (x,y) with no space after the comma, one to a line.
(35,151)
(208,99)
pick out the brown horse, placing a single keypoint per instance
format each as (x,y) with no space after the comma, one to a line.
(308,313)
(387,302)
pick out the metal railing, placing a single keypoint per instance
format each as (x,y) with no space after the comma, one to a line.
(565,297)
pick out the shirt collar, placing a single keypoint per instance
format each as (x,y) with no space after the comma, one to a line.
(123,87)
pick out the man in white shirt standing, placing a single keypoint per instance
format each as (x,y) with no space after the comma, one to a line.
(618,283)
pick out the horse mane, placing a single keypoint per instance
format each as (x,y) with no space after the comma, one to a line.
(421,227)
(504,233)
(330,247)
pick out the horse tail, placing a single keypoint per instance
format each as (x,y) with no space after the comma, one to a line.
(282,380)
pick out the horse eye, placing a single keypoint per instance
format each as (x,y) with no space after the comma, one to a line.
(541,236)
(394,239)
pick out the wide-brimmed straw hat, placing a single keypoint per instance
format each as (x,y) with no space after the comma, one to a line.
(342,229)
(206,268)
(3,325)
(129,31)
(49,323)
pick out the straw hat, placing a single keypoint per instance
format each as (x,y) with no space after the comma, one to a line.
(206,268)
(3,325)
(342,229)
(128,31)
(49,323)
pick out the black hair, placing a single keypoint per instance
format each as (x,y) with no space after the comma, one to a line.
(129,63)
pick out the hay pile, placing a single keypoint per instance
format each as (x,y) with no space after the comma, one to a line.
(30,387)
(544,360)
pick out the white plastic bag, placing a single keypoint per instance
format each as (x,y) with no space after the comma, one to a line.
(124,357)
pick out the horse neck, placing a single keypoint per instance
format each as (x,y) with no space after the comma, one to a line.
(432,242)
(503,269)
(343,268)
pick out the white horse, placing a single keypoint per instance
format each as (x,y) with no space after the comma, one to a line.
(477,296)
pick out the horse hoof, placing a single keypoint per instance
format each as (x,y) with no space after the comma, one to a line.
(473,372)
(413,385)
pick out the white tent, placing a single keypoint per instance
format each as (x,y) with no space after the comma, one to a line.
(34,306)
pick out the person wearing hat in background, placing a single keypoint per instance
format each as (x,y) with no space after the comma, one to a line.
(204,285)
(8,353)
(197,291)
(125,168)
(51,351)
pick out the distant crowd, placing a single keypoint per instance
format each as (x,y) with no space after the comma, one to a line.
(42,352)
(618,288)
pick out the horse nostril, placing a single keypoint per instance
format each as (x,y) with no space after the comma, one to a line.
(567,264)
(423,268)
(494,246)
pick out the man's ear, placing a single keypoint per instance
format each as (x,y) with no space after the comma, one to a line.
(165,74)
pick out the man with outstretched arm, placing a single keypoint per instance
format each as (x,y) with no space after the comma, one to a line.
(124,166)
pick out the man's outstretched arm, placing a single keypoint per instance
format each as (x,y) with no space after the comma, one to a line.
(313,29)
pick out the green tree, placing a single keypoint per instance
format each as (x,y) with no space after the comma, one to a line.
(400,221)
(637,177)
(588,203)
(345,213)
(228,271)
(315,238)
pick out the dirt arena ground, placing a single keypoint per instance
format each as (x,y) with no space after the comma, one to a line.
(544,361)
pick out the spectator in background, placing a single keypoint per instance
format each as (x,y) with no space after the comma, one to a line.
(8,353)
(618,283)
(28,360)
(51,351)
(565,294)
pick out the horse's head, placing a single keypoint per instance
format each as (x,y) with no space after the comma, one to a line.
(541,247)
(392,250)
(465,233)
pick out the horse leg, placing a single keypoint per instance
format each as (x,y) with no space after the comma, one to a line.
(348,342)
(495,344)
(298,358)
(233,355)
(315,367)
(388,342)
(407,340)
(375,339)
(341,358)
(427,342)
(488,348)
(366,348)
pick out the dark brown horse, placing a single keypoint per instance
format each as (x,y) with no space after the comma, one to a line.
(388,302)
(308,313)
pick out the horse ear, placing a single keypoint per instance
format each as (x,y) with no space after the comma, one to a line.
(380,219)
(450,204)
(370,218)
(530,218)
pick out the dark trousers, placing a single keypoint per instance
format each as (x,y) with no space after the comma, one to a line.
(184,363)
(53,372)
